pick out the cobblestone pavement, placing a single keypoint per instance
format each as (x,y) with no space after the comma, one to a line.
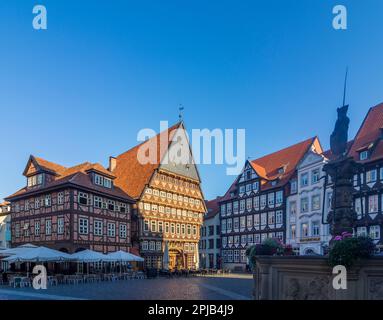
(194,288)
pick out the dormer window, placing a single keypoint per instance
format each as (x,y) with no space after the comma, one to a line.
(281,170)
(102,181)
(35,180)
(363,155)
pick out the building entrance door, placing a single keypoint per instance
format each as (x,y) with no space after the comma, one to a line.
(176,259)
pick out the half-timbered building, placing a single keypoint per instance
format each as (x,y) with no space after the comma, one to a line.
(170,203)
(367,150)
(71,209)
(254,207)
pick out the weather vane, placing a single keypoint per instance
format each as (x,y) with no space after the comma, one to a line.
(180,109)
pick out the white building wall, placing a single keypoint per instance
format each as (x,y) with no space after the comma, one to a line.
(205,262)
(311,234)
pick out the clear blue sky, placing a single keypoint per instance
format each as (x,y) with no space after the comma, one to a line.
(103,70)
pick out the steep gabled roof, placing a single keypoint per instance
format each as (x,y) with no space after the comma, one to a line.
(212,207)
(281,165)
(132,176)
(74,176)
(369,135)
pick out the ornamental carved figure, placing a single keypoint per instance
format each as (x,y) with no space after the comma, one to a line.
(339,137)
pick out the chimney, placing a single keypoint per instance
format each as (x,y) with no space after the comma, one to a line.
(112,163)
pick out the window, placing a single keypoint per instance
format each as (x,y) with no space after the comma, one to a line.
(97,201)
(279,217)
(256,220)
(146,225)
(48,200)
(257,238)
(153,226)
(256,203)
(255,186)
(242,189)
(293,231)
(37,228)
(211,230)
(160,226)
(270,199)
(83,198)
(294,186)
(263,201)
(60,225)
(304,230)
(363,155)
(235,207)
(178,228)
(229,208)
(111,230)
(98,228)
(236,223)
(223,225)
(83,226)
(111,205)
(358,207)
(229,225)
(152,245)
(249,204)
(315,176)
(166,227)
(315,202)
(37,203)
(370,176)
(123,230)
(304,179)
(158,246)
(26,205)
(373,204)
(188,228)
(223,210)
(144,245)
(172,228)
(60,198)
(381,173)
(243,223)
(26,230)
(356,180)
(242,206)
(279,197)
(271,218)
(123,208)
(315,228)
(48,227)
(279,235)
(35,180)
(293,207)
(17,230)
(249,222)
(361,231)
(304,205)
(147,206)
(248,187)
(375,232)
(263,219)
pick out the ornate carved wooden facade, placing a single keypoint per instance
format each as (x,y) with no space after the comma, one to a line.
(170,204)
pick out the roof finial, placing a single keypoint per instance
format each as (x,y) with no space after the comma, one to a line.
(345,87)
(180,109)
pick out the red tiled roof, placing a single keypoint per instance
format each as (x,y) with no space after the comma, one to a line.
(5,203)
(75,176)
(132,176)
(212,208)
(268,167)
(369,135)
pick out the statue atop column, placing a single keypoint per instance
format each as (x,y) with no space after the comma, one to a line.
(341,170)
(339,137)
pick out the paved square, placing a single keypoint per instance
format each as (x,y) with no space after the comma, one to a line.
(233,287)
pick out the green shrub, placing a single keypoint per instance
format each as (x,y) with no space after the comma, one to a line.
(349,250)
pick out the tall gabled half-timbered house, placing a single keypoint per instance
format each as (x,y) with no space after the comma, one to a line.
(170,203)
(254,207)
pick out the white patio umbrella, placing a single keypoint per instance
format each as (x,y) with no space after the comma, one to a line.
(39,254)
(165,260)
(20,249)
(89,256)
(123,256)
